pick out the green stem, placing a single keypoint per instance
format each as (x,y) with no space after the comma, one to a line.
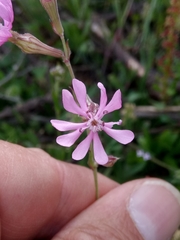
(162,164)
(155,160)
(68,65)
(67,56)
(93,165)
(55,96)
(64,45)
(96,183)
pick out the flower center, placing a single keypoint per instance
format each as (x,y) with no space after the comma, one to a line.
(95,125)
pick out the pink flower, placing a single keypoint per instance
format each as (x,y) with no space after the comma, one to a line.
(6,17)
(92,115)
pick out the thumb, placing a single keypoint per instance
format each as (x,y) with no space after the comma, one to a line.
(146,209)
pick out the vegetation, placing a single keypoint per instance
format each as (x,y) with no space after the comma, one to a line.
(128,45)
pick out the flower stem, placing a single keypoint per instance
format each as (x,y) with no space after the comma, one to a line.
(96,182)
(155,160)
(162,164)
(55,97)
(68,65)
(93,165)
(67,53)
(51,7)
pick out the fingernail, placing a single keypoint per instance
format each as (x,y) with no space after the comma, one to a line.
(155,209)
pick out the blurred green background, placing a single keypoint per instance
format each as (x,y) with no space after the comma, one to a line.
(127,45)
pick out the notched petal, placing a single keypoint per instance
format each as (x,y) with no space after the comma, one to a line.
(69,103)
(122,136)
(100,155)
(69,139)
(80,91)
(66,126)
(115,102)
(82,149)
(103,99)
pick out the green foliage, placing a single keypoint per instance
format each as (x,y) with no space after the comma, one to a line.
(137,27)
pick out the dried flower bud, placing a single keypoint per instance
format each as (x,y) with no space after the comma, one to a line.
(51,8)
(111,161)
(30,44)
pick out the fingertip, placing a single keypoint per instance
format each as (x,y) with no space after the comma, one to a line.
(146,209)
(154,208)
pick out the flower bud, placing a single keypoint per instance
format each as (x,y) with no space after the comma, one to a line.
(111,161)
(51,8)
(31,45)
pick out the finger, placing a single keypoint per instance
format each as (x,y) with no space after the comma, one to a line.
(142,209)
(38,194)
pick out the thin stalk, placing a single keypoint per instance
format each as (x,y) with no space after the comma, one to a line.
(162,164)
(71,72)
(96,182)
(55,96)
(155,160)
(64,45)
(93,165)
(67,56)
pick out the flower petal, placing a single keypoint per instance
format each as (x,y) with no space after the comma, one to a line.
(69,103)
(115,103)
(103,99)
(100,155)
(122,136)
(111,124)
(7,15)
(66,126)
(82,149)
(6,10)
(80,91)
(6,2)
(69,139)
(4,34)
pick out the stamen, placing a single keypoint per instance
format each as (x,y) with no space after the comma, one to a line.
(95,125)
(120,121)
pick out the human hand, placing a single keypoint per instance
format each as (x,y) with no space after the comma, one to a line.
(41,198)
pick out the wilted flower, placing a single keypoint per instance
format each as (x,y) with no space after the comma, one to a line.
(32,45)
(111,161)
(51,8)
(6,20)
(92,115)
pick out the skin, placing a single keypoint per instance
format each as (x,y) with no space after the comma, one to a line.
(42,198)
